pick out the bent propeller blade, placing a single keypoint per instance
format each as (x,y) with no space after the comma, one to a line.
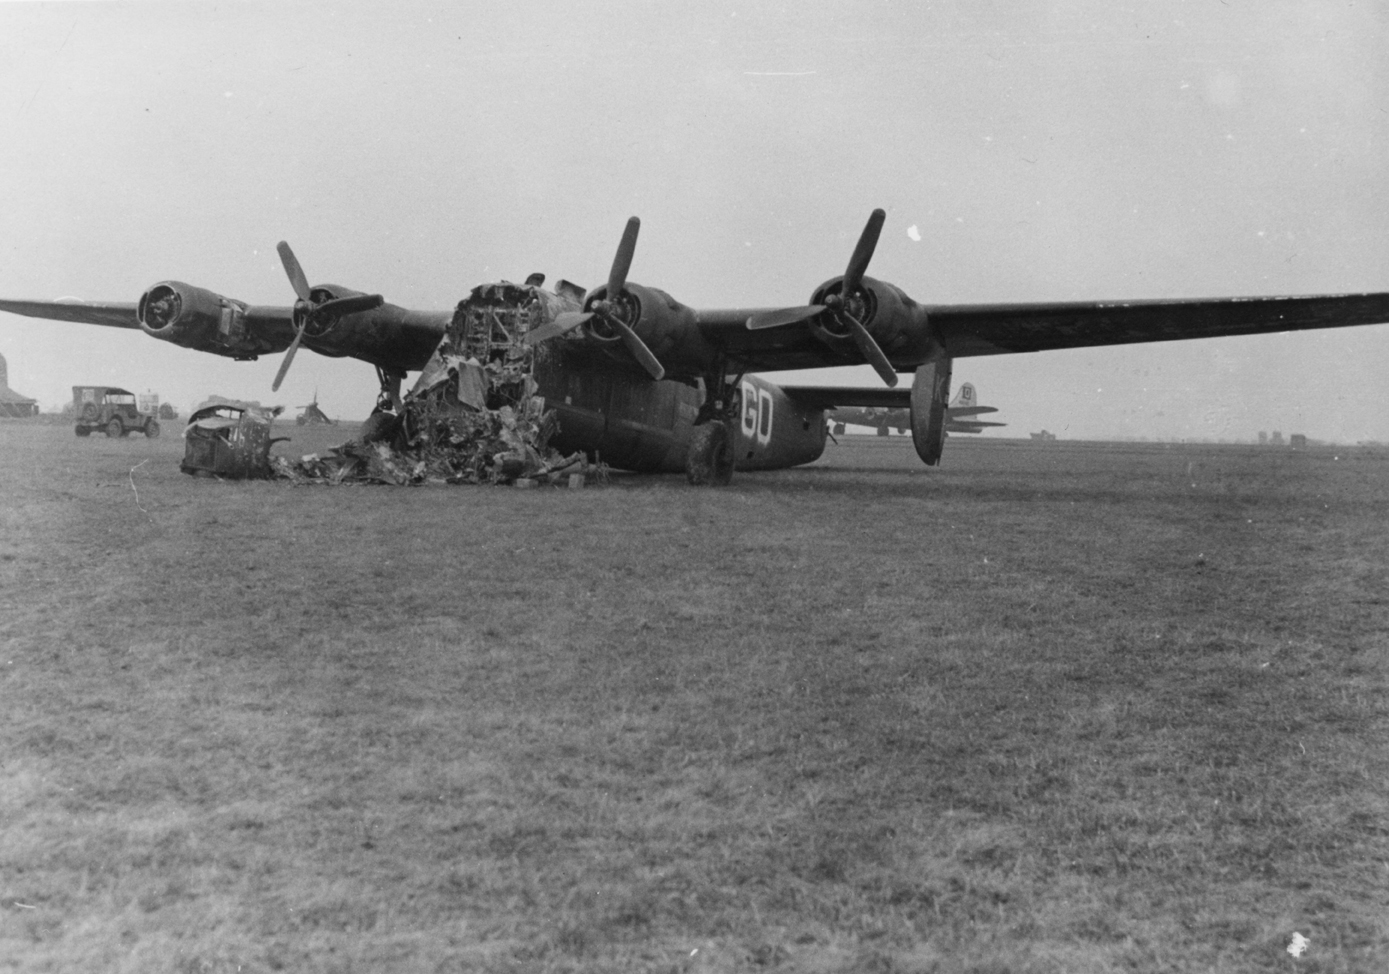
(638,348)
(289,356)
(783,316)
(863,252)
(565,321)
(297,280)
(622,261)
(871,351)
(338,307)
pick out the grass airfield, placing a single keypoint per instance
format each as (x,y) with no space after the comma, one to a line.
(1051,707)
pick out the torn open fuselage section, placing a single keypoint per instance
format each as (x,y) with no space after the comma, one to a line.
(476,413)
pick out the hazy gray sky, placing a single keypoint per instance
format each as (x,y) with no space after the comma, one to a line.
(1038,151)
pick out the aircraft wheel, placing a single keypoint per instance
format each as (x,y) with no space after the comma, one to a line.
(152,429)
(379,427)
(114,429)
(709,461)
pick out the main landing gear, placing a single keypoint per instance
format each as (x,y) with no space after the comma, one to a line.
(385,418)
(709,460)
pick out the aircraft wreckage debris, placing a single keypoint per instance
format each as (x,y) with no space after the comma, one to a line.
(446,433)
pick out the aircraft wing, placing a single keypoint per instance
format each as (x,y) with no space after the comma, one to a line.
(116,314)
(962,331)
(968,330)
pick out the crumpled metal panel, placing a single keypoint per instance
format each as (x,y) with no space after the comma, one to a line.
(229,438)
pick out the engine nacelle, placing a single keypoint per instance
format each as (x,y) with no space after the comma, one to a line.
(897,323)
(200,319)
(669,329)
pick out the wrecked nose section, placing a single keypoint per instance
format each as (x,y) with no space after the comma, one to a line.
(476,414)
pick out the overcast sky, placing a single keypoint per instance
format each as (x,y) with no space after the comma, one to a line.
(1023,150)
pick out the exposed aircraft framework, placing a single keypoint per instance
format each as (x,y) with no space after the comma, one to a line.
(652,383)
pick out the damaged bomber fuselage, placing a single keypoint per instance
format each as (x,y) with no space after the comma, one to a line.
(606,406)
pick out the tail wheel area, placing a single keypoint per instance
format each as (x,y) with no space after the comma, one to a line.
(709,461)
(114,429)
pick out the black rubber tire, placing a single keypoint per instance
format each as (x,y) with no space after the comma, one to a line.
(152,429)
(88,411)
(114,429)
(83,431)
(709,460)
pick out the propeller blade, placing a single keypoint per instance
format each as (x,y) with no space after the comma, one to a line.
(289,356)
(622,262)
(637,347)
(870,350)
(863,253)
(338,307)
(565,321)
(297,280)
(783,316)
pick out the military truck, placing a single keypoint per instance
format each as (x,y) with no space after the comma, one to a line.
(111,410)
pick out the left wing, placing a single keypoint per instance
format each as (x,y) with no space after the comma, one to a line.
(117,314)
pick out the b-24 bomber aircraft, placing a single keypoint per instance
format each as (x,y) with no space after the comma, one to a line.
(649,383)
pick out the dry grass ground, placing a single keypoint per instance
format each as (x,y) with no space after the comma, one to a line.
(1049,708)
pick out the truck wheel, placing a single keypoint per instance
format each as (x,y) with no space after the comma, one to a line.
(114,429)
(709,461)
(89,411)
(83,431)
(152,429)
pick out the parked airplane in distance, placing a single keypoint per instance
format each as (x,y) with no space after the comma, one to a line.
(958,415)
(624,363)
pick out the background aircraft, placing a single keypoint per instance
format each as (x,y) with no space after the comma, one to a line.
(621,339)
(884,415)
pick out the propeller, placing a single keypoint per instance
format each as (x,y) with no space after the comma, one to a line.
(309,311)
(838,304)
(608,308)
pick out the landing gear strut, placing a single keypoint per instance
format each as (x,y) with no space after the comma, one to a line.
(709,460)
(384,420)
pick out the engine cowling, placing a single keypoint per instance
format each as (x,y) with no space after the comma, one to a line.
(669,328)
(197,318)
(897,323)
